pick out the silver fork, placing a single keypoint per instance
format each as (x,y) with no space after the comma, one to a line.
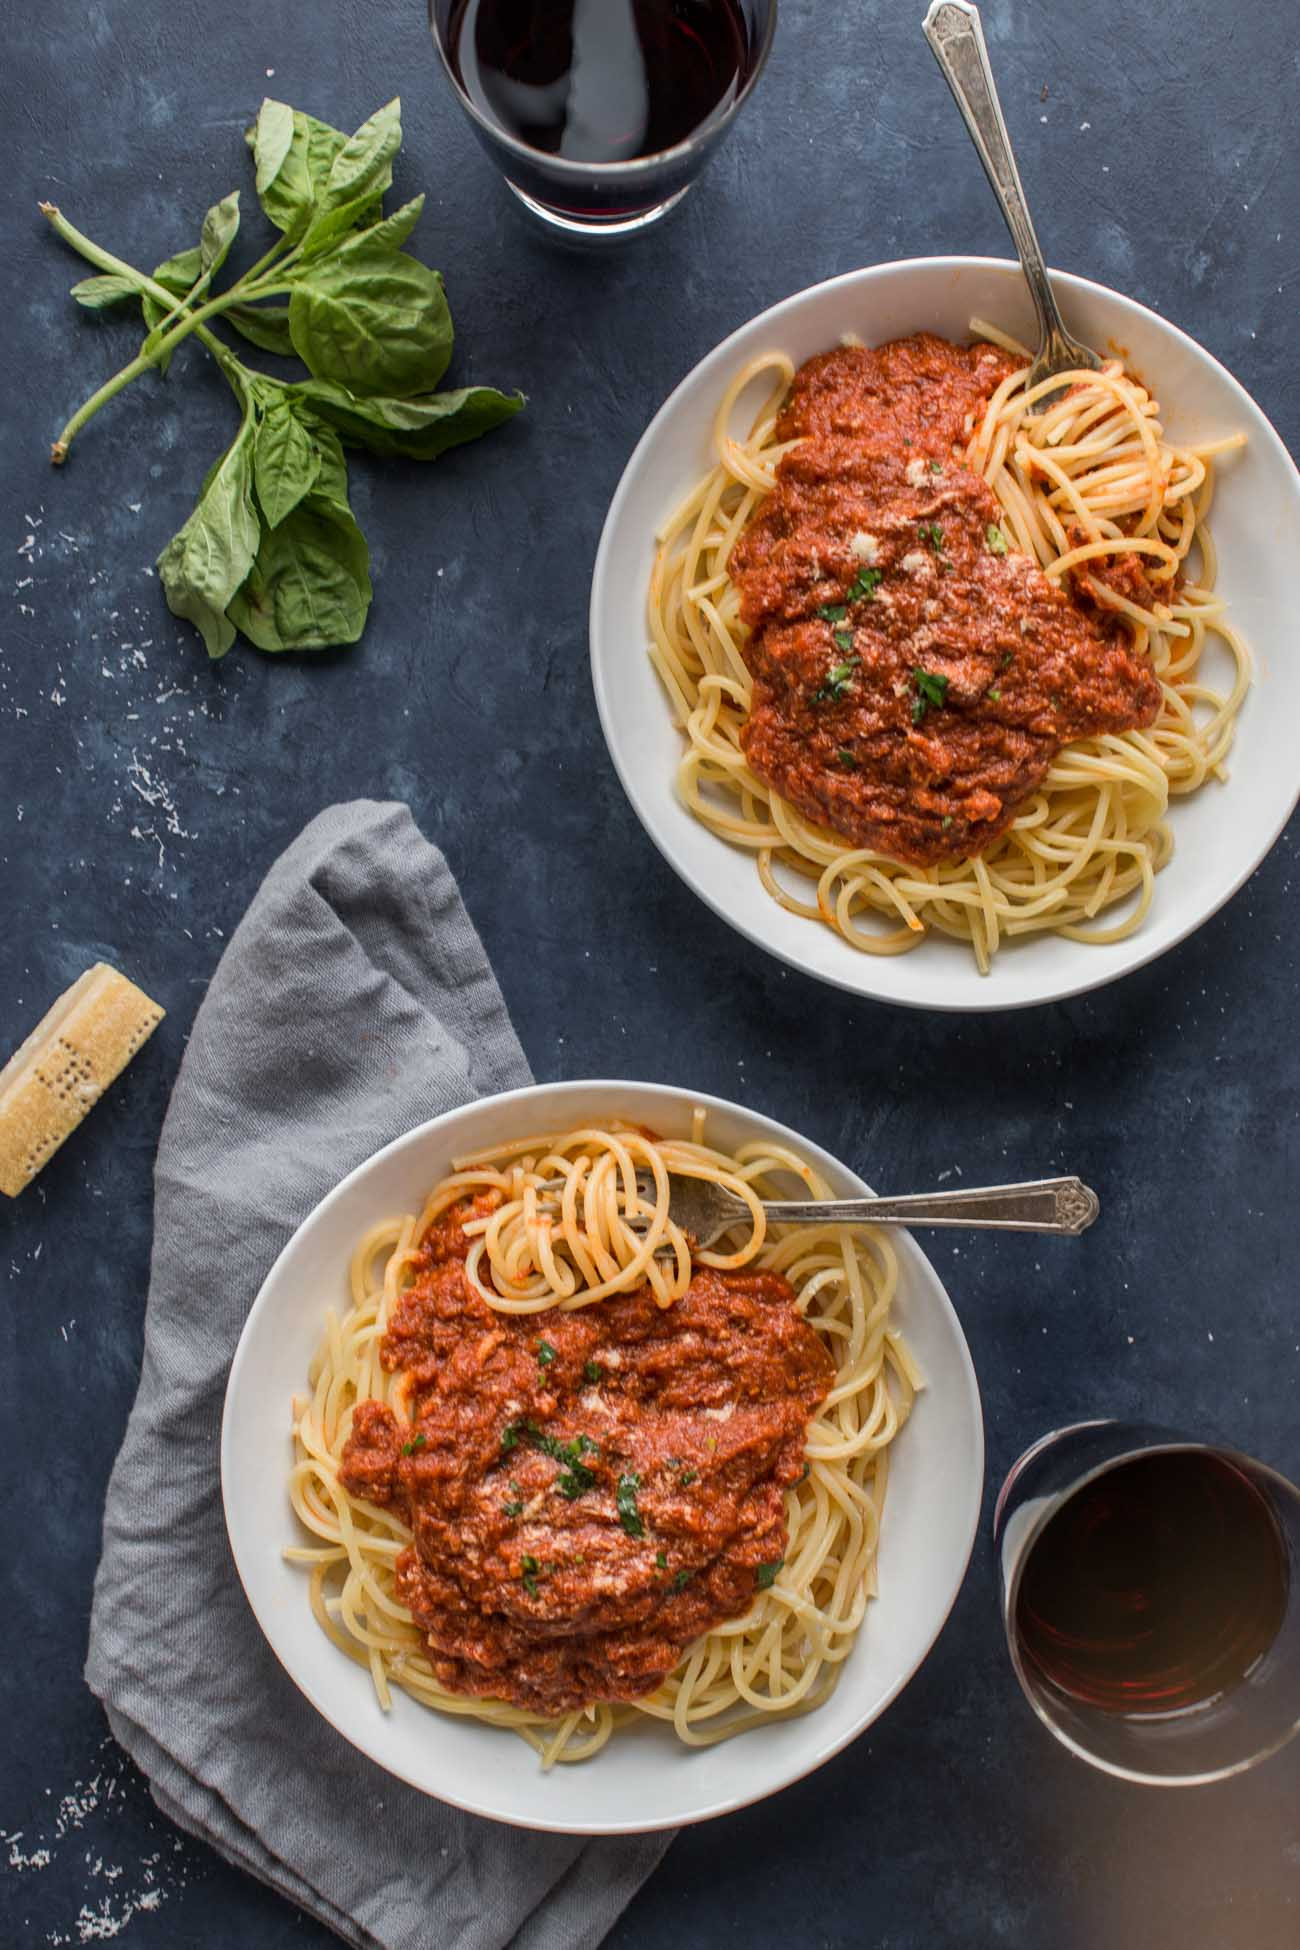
(957,39)
(706,1211)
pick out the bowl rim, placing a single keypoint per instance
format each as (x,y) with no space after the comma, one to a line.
(674,1096)
(1139,949)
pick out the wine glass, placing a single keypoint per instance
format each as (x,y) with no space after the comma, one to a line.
(1150,1602)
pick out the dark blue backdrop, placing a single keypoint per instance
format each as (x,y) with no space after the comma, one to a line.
(143,793)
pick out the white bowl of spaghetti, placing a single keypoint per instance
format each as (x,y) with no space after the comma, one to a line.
(843,1518)
(1132,837)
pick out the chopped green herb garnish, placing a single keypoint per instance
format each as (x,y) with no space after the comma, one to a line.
(863,585)
(575,1477)
(416,1442)
(993,695)
(846,758)
(545,1354)
(946,821)
(575,1482)
(765,1576)
(592,1370)
(936,467)
(837,681)
(514,1508)
(843,640)
(628,1514)
(687,1477)
(931,532)
(661,1560)
(681,1580)
(996,540)
(565,1452)
(1007,659)
(529,1567)
(931,689)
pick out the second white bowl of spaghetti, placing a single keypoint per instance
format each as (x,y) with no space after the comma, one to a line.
(1136,832)
(683,1522)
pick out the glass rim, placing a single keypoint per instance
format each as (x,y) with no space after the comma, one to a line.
(609,172)
(1033,1693)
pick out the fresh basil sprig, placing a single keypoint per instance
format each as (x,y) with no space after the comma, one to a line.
(272,549)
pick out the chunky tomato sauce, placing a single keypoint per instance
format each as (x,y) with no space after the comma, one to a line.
(914,675)
(588,1491)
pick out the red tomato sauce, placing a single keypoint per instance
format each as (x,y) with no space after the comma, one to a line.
(590,1491)
(914,674)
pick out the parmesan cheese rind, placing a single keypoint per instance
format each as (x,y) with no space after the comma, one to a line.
(65,1066)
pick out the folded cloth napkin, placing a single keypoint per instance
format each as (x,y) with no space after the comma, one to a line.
(353,1002)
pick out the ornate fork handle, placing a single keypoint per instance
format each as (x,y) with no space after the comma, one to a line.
(1042,1205)
(956,38)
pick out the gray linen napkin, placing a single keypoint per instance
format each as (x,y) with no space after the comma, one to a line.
(353,1001)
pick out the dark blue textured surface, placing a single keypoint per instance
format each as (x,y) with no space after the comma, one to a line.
(142,795)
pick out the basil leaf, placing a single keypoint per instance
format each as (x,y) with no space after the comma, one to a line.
(285,463)
(309,587)
(322,144)
(359,174)
(271,136)
(362,165)
(331,482)
(289,196)
(207,560)
(372,318)
(219,229)
(266,326)
(178,274)
(392,232)
(414,429)
(110,289)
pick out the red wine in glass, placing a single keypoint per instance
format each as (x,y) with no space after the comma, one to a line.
(1150,1600)
(1157,1587)
(602,82)
(603,109)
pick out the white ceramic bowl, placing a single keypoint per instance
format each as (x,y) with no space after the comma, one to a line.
(644,1779)
(1221,833)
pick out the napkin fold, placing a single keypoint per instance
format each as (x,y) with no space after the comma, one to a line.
(353,1001)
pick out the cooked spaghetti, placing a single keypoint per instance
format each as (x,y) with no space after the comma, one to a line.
(564,1473)
(1044,695)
